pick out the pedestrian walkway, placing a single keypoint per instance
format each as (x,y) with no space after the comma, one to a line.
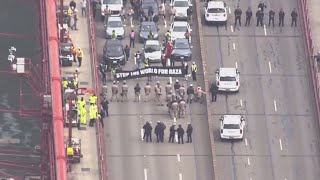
(88,168)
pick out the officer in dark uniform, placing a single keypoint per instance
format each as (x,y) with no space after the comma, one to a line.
(180,131)
(271,17)
(172,133)
(259,15)
(214,91)
(237,14)
(147,131)
(294,16)
(261,6)
(162,128)
(281,17)
(189,133)
(248,16)
(157,131)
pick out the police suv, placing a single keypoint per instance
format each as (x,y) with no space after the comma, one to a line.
(228,79)
(215,12)
(232,127)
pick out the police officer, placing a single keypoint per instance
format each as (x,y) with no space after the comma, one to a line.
(157,131)
(137,90)
(93,110)
(168,88)
(172,131)
(146,65)
(182,91)
(101,116)
(65,83)
(194,70)
(190,93)
(237,14)
(261,6)
(114,90)
(124,93)
(93,99)
(189,133)
(103,72)
(157,90)
(182,108)
(294,16)
(176,86)
(83,115)
(147,92)
(81,103)
(281,17)
(180,131)
(259,15)
(162,128)
(271,17)
(248,16)
(169,97)
(174,109)
(147,132)
(189,14)
(105,106)
(214,90)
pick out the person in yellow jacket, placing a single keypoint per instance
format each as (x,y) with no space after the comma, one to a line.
(74,52)
(70,152)
(83,115)
(65,83)
(93,113)
(75,82)
(79,56)
(93,99)
(194,70)
(70,12)
(81,103)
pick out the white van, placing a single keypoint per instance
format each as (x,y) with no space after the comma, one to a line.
(114,6)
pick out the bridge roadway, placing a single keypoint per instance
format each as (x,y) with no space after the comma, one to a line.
(128,157)
(282,137)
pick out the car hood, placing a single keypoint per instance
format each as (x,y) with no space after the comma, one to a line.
(118,30)
(182,52)
(156,55)
(181,10)
(176,35)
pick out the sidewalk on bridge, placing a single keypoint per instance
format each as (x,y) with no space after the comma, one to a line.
(88,168)
(314,14)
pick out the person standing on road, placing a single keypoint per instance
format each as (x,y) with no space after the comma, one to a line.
(158,91)
(189,133)
(75,20)
(182,108)
(138,58)
(189,14)
(132,36)
(176,86)
(115,91)
(174,109)
(294,16)
(162,128)
(190,93)
(137,90)
(172,133)
(93,99)
(281,17)
(79,56)
(93,112)
(182,91)
(248,16)
(194,70)
(214,91)
(83,4)
(83,115)
(237,14)
(261,6)
(105,106)
(147,91)
(168,88)
(157,131)
(127,52)
(271,17)
(101,116)
(172,13)
(147,132)
(180,131)
(124,91)
(259,15)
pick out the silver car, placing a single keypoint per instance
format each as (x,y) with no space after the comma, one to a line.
(114,23)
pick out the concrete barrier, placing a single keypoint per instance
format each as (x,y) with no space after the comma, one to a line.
(198,7)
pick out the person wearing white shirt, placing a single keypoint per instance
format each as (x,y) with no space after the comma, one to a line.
(83,5)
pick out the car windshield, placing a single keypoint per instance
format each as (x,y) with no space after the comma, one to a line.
(231,126)
(227,79)
(179,28)
(114,49)
(181,4)
(216,10)
(151,48)
(112,1)
(181,45)
(114,24)
(148,28)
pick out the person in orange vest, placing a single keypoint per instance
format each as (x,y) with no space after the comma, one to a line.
(74,52)
(79,56)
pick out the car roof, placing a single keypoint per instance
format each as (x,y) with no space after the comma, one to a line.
(228,72)
(181,40)
(216,4)
(115,42)
(148,23)
(231,119)
(180,23)
(152,42)
(114,18)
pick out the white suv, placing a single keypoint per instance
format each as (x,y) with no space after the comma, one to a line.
(181,7)
(232,127)
(215,12)
(114,7)
(228,79)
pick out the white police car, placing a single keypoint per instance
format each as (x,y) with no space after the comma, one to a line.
(232,127)
(228,79)
(215,12)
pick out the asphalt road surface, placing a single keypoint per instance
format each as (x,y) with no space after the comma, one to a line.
(281,138)
(128,157)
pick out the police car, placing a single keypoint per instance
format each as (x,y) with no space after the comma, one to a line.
(232,127)
(215,12)
(228,79)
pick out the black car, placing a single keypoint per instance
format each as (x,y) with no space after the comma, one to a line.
(182,50)
(113,53)
(145,28)
(147,4)
(65,54)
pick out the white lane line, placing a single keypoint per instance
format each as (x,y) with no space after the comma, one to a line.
(246,141)
(250,178)
(248,161)
(241,102)
(234,46)
(174,119)
(270,67)
(178,157)
(168,62)
(275,105)
(165,24)
(135,61)
(145,174)
(265,30)
(280,142)
(131,22)
(142,132)
(170,80)
(236,64)
(176,137)
(231,28)
(180,176)
(229,10)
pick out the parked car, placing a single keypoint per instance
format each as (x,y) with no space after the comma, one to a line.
(113,53)
(114,6)
(182,50)
(114,23)
(178,29)
(152,50)
(65,54)
(228,79)
(145,28)
(215,12)
(232,127)
(181,7)
(147,4)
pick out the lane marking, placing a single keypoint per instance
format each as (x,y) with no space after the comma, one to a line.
(236,64)
(270,67)
(275,105)
(229,10)
(250,178)
(170,80)
(248,161)
(135,61)
(234,46)
(241,102)
(145,174)
(180,176)
(168,62)
(142,132)
(280,142)
(265,30)
(231,28)
(178,157)
(174,119)
(165,24)
(176,137)
(246,141)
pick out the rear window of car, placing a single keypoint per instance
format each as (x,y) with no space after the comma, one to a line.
(231,126)
(227,79)
(216,10)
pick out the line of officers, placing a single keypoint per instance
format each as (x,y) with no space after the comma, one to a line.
(159,132)
(260,16)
